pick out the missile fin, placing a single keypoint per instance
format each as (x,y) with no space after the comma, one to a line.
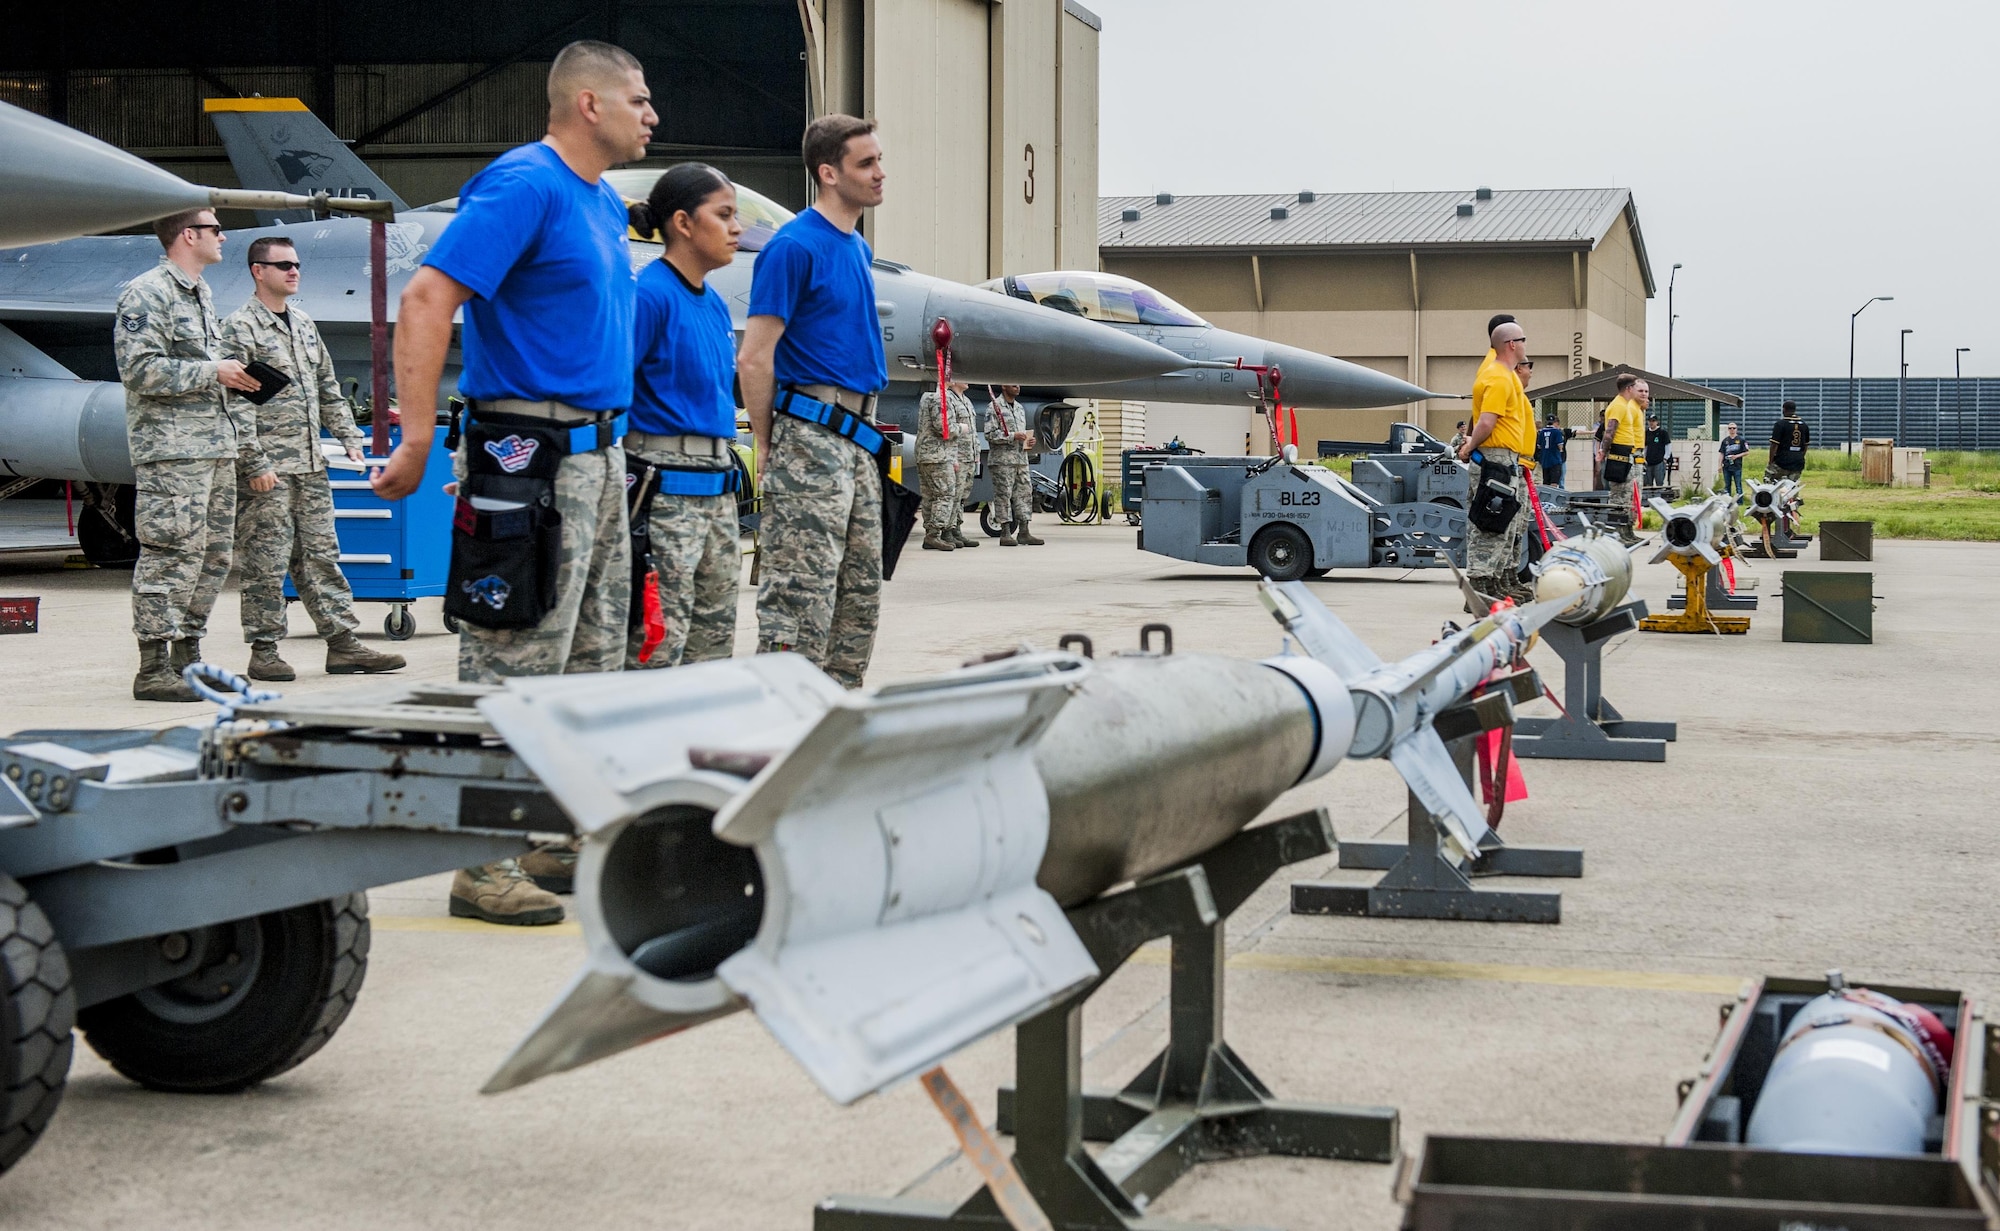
(1319,632)
(1708,553)
(901,839)
(598,1015)
(1420,757)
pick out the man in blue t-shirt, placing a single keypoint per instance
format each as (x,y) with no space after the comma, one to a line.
(811,365)
(537,258)
(1550,444)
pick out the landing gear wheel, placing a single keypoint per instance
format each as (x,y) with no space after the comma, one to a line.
(37,1013)
(451,624)
(106,525)
(400,624)
(268,992)
(1281,552)
(987,525)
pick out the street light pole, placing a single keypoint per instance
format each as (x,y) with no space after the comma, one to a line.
(1853,423)
(1671,318)
(1958,397)
(1902,380)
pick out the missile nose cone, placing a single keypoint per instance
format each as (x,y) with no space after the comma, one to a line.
(1322,382)
(999,340)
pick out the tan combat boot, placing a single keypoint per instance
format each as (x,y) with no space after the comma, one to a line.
(937,542)
(957,536)
(345,655)
(181,653)
(1026,538)
(553,867)
(1007,537)
(266,665)
(502,893)
(157,680)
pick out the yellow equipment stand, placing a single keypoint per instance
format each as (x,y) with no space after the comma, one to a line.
(1695,617)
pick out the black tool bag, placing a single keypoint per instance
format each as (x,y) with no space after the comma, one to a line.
(506,556)
(641,482)
(900,506)
(1616,470)
(1494,503)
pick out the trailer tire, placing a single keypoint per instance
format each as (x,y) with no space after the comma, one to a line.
(37,1014)
(106,525)
(1281,552)
(201,1035)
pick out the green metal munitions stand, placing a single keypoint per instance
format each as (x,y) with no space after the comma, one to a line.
(1424,881)
(1197,1101)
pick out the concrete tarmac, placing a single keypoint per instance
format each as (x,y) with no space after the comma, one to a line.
(1821,808)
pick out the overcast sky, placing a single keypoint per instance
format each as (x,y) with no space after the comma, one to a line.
(1797,157)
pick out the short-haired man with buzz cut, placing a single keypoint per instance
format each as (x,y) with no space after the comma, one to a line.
(284,507)
(811,365)
(537,258)
(1503,434)
(183,428)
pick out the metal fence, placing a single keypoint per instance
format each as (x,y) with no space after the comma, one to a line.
(1938,412)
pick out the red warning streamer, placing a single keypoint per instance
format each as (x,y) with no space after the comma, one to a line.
(941,338)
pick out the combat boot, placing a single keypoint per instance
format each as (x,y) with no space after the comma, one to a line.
(183,652)
(553,867)
(1007,537)
(157,680)
(345,655)
(937,542)
(502,893)
(958,538)
(266,665)
(1027,539)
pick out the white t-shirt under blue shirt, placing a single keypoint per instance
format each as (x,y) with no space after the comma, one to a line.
(544,255)
(686,376)
(820,281)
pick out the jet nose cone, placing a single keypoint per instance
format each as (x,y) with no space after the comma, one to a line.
(1003,341)
(1321,382)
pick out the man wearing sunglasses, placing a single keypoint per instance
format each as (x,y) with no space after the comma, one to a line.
(184,431)
(284,508)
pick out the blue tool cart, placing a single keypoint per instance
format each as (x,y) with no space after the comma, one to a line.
(392,551)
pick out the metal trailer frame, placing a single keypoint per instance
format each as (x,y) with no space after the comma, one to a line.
(1197,1101)
(1701,1178)
(1424,881)
(1590,728)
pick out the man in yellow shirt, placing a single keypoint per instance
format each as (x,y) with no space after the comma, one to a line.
(1624,440)
(1503,432)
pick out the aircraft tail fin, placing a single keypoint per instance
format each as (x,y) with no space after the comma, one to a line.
(277,144)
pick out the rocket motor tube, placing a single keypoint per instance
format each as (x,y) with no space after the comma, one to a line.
(1855,1073)
(66,429)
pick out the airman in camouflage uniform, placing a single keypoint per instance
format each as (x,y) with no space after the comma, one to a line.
(964,435)
(183,431)
(698,558)
(939,463)
(1007,437)
(822,502)
(284,510)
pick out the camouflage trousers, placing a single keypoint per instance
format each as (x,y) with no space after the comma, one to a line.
(1623,494)
(585,631)
(1774,472)
(696,554)
(938,482)
(185,513)
(1493,561)
(968,471)
(821,550)
(290,529)
(1013,492)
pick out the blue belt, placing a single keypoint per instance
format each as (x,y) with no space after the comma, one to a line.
(694,481)
(836,419)
(583,438)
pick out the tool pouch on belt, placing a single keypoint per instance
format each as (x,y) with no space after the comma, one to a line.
(1494,503)
(506,536)
(900,506)
(1616,470)
(641,481)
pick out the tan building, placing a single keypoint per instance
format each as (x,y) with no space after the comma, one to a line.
(1403,282)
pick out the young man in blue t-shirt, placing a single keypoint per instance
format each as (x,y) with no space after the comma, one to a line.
(1551,443)
(810,367)
(537,258)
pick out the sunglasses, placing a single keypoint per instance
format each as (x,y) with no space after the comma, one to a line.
(287,266)
(203,226)
(1526,363)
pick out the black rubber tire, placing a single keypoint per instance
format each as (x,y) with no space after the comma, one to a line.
(1281,552)
(307,976)
(37,1014)
(986,526)
(400,624)
(451,624)
(104,544)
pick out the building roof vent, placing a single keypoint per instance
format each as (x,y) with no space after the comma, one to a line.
(1165,198)
(1279,213)
(1465,209)
(1130,215)
(1482,193)
(1308,197)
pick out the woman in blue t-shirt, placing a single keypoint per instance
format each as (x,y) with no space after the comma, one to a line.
(680,452)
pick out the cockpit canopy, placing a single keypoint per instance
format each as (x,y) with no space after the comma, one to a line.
(1094,296)
(760,214)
